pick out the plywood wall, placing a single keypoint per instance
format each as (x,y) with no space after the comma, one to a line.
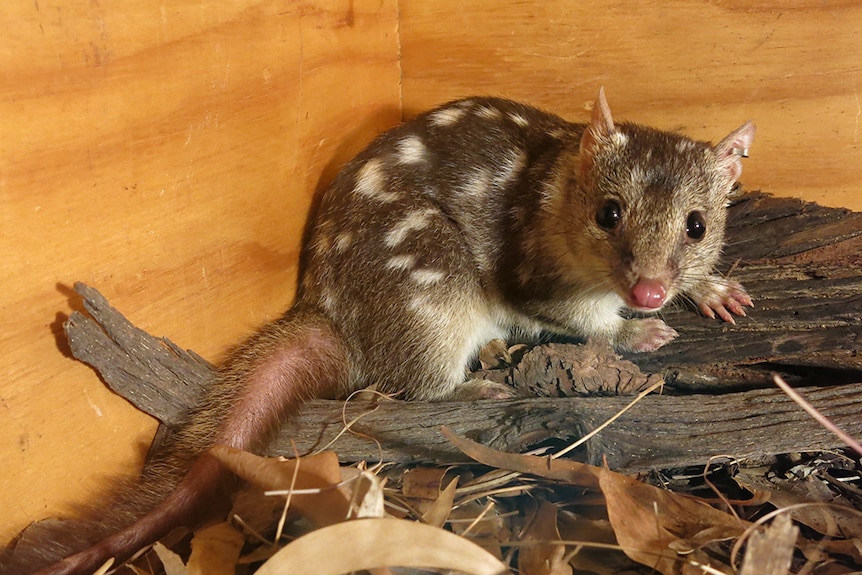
(166,154)
(703,67)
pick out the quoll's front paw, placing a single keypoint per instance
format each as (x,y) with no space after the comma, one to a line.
(723,298)
(647,334)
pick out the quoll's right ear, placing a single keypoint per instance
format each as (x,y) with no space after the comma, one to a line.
(733,148)
(600,128)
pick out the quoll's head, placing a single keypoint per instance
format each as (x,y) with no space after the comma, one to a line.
(654,204)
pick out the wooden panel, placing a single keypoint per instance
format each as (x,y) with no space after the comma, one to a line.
(166,154)
(700,66)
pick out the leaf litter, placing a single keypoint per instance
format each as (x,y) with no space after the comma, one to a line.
(531,514)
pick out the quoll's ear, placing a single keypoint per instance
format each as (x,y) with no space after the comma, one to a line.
(601,126)
(733,148)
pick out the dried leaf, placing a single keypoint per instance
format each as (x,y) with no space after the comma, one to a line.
(320,471)
(383,542)
(215,550)
(545,556)
(488,532)
(421,487)
(438,512)
(172,562)
(834,520)
(570,472)
(366,496)
(255,510)
(423,482)
(770,551)
(494,355)
(593,559)
(652,525)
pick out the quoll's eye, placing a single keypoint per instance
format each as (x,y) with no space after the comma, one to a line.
(609,215)
(695,226)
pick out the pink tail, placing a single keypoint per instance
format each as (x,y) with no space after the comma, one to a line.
(287,362)
(205,482)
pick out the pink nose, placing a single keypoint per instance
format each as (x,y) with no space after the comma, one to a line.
(648,294)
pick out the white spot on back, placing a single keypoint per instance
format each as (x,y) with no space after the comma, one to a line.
(558,133)
(426,277)
(413,221)
(684,146)
(549,192)
(509,168)
(488,113)
(371,182)
(637,176)
(343,241)
(402,262)
(519,119)
(446,116)
(411,150)
(327,299)
(323,238)
(478,183)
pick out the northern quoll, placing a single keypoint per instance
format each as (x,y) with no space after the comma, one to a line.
(481,219)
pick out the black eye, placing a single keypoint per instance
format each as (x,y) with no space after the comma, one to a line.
(608,216)
(695,226)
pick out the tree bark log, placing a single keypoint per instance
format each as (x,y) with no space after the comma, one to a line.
(802,264)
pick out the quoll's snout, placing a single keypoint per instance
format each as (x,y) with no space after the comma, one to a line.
(648,293)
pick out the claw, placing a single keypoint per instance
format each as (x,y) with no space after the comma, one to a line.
(706,310)
(724,314)
(736,307)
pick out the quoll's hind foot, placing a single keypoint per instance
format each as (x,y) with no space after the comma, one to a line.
(473,389)
(722,298)
(641,335)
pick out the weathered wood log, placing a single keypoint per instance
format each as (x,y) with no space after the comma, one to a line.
(152,373)
(660,432)
(802,264)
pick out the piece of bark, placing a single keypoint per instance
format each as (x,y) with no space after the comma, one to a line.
(800,261)
(566,370)
(153,373)
(659,432)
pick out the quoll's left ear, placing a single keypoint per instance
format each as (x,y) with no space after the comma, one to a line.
(733,148)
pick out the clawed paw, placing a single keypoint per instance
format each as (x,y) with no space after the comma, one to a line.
(724,300)
(482,389)
(653,333)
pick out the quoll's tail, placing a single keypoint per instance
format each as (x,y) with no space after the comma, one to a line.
(205,482)
(46,542)
(298,357)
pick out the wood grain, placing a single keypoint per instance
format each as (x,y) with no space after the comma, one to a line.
(166,152)
(700,66)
